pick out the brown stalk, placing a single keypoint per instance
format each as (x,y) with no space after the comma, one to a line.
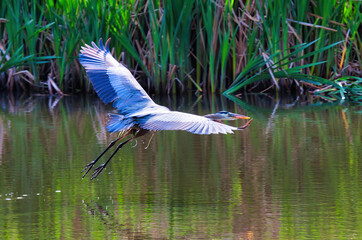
(170,74)
(331,21)
(25,73)
(312,25)
(270,66)
(52,84)
(344,51)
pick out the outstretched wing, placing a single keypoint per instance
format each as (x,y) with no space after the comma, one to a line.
(111,80)
(174,120)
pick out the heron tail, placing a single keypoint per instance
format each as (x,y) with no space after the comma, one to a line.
(118,123)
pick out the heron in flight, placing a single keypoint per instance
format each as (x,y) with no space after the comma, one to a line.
(137,112)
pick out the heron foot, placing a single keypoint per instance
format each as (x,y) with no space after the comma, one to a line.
(98,170)
(87,168)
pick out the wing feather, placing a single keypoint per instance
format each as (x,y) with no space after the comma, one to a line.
(174,120)
(112,81)
(118,123)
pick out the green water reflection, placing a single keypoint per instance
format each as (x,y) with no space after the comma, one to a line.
(294,174)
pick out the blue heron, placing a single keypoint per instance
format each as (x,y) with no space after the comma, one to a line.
(137,112)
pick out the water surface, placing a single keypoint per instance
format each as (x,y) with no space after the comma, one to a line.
(296,173)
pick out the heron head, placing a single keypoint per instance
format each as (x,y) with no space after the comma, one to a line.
(225,115)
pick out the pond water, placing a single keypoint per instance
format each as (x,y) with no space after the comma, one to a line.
(295,173)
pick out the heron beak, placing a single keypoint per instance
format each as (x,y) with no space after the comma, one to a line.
(238,116)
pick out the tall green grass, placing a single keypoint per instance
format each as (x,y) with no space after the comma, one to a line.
(172,46)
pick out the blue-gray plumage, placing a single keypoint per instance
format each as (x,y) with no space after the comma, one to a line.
(137,112)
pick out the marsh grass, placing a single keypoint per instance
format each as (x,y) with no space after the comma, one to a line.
(172,46)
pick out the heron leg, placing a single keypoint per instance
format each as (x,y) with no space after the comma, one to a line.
(245,125)
(99,169)
(90,165)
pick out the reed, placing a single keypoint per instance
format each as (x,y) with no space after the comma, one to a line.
(173,46)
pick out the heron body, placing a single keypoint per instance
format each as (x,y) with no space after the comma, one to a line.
(137,112)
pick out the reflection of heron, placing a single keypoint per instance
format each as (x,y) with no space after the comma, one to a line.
(137,113)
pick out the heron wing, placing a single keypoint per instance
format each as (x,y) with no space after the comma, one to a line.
(174,120)
(112,81)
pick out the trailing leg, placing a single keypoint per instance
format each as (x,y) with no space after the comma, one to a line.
(245,125)
(99,169)
(90,165)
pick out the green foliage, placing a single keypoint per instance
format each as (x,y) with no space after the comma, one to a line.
(190,44)
(281,69)
(21,48)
